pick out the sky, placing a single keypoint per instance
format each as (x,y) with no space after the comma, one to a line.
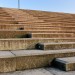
(67,6)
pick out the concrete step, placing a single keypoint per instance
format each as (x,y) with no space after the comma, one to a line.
(66,64)
(12,27)
(7,61)
(50,35)
(18,26)
(5,15)
(55,46)
(35,34)
(13,33)
(50,28)
(23,59)
(6,18)
(8,21)
(28,44)
(46,23)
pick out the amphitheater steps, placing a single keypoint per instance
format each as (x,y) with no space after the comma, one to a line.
(20,60)
(5,15)
(21,16)
(55,46)
(6,18)
(23,31)
(9,22)
(49,28)
(7,62)
(18,26)
(51,35)
(28,44)
(65,64)
(34,34)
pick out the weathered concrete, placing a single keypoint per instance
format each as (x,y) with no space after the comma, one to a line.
(7,61)
(55,46)
(28,44)
(36,59)
(51,35)
(40,71)
(66,64)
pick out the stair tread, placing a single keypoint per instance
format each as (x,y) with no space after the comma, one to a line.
(40,52)
(9,54)
(66,60)
(6,54)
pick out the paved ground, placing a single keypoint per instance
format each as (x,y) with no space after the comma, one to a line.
(40,71)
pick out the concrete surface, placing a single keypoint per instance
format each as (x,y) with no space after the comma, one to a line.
(40,71)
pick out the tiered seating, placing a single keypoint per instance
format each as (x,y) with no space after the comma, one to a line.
(51,35)
(23,32)
(56,46)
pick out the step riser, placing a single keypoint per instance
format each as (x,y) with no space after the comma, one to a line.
(51,35)
(33,62)
(27,44)
(6,22)
(42,25)
(64,66)
(12,34)
(22,34)
(7,65)
(37,27)
(4,15)
(55,46)
(50,29)
(30,62)
(31,27)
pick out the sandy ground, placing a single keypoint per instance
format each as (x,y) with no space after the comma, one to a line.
(40,71)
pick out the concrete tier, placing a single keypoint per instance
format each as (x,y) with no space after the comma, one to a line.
(20,60)
(55,46)
(66,64)
(51,35)
(28,44)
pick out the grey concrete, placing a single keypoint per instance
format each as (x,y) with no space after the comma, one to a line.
(40,71)
(6,54)
(59,72)
(66,60)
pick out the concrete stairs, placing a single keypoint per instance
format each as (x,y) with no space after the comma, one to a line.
(51,35)
(65,64)
(55,46)
(23,32)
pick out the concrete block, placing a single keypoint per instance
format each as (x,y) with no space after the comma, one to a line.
(66,64)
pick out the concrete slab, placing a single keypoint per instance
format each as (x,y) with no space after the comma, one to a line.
(55,46)
(35,58)
(6,54)
(67,64)
(7,61)
(40,71)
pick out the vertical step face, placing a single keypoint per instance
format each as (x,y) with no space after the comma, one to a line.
(7,61)
(66,64)
(49,28)
(36,59)
(55,46)
(12,26)
(26,44)
(51,35)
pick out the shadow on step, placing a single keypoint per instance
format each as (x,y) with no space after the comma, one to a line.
(24,36)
